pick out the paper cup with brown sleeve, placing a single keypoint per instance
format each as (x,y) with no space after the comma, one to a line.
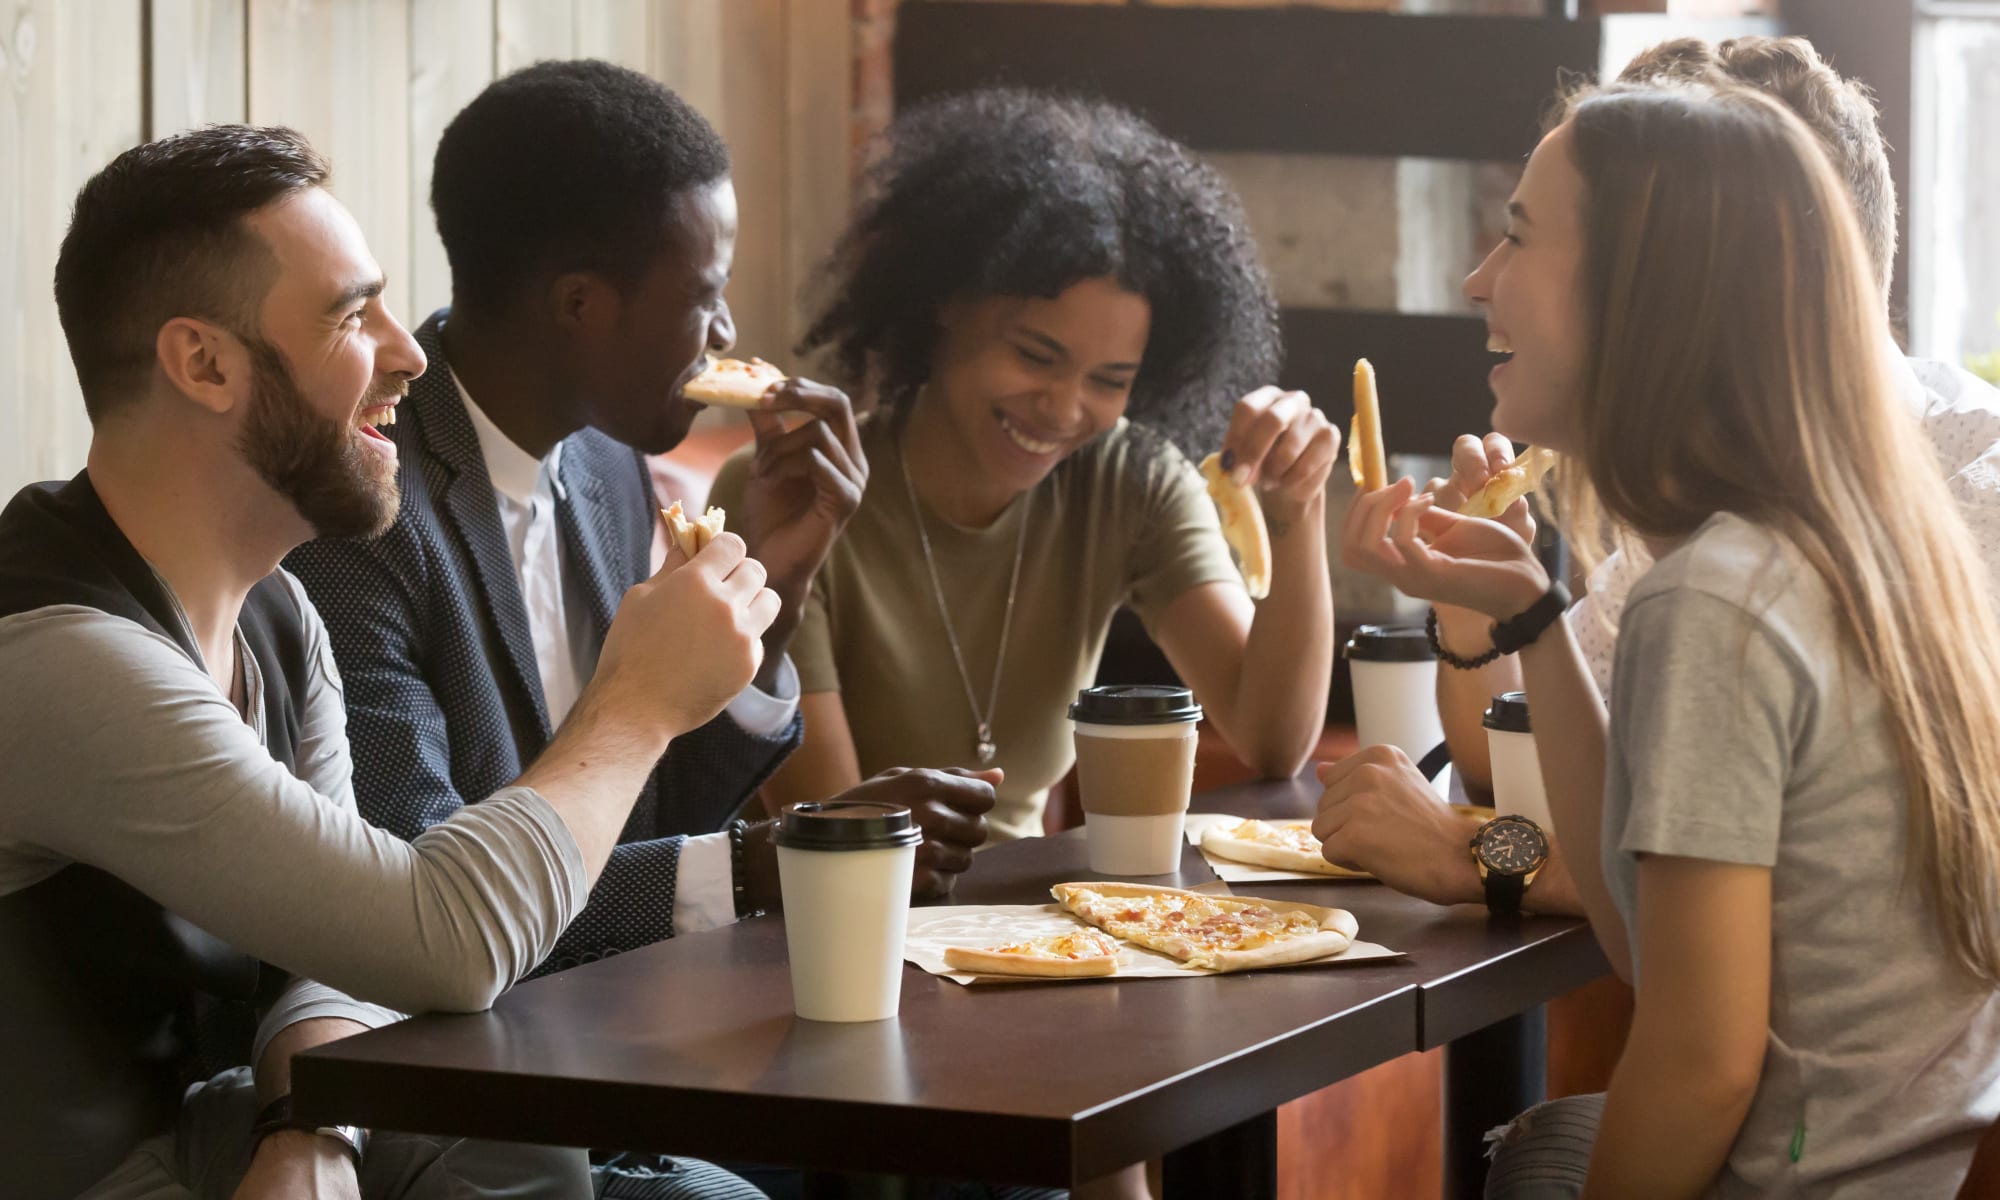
(1135,769)
(844,867)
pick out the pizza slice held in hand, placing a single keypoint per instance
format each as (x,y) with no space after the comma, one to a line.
(733,382)
(692,533)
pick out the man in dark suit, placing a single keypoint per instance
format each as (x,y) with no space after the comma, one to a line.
(590,222)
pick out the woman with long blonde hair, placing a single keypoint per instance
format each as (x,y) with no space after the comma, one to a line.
(1797,788)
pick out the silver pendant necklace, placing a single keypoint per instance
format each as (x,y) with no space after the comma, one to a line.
(982,717)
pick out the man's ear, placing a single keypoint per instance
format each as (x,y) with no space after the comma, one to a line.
(582,302)
(203,363)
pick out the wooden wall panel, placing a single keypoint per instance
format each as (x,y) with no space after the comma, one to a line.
(339,71)
(452,53)
(752,120)
(70,101)
(531,30)
(818,189)
(197,63)
(619,31)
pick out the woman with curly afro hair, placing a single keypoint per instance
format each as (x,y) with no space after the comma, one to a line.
(1052,307)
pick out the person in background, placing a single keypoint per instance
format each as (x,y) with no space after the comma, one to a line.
(1049,304)
(1794,790)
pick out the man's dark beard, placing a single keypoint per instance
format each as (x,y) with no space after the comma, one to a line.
(340,488)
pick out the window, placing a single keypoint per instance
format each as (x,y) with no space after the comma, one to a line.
(1955,186)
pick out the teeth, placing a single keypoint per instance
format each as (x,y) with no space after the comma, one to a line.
(1499,344)
(1027,443)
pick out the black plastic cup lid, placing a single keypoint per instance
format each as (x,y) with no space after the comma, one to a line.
(1509,713)
(1135,704)
(1390,643)
(847,825)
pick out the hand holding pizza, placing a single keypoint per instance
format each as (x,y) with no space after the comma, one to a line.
(950,806)
(804,482)
(1279,444)
(1475,461)
(684,643)
(1438,556)
(1379,815)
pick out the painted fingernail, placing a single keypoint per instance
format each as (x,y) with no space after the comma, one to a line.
(1229,460)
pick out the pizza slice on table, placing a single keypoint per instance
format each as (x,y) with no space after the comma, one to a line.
(1286,845)
(1217,933)
(1073,955)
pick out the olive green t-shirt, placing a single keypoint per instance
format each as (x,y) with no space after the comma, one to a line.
(1125,520)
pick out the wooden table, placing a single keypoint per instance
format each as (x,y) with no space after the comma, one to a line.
(690,1046)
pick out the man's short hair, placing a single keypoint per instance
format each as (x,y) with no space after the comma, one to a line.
(160,234)
(564,166)
(1840,111)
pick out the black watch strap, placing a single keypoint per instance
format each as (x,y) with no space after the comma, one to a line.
(1504,893)
(276,1117)
(1517,632)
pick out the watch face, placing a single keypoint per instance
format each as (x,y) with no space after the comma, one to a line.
(1512,846)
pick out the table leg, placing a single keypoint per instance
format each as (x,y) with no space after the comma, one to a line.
(1490,1077)
(1240,1161)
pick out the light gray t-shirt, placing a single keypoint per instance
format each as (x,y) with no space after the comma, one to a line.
(121,753)
(1960,416)
(1741,732)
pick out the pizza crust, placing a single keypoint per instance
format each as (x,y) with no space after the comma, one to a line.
(733,382)
(1336,931)
(1242,526)
(993,961)
(1229,841)
(1366,460)
(1498,494)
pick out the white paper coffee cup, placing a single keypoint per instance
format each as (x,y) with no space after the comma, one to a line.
(844,868)
(1135,845)
(1135,747)
(1394,674)
(1517,769)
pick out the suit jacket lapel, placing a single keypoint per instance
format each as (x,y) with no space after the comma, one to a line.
(590,538)
(474,515)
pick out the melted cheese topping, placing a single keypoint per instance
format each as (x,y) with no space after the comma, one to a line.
(1291,835)
(1196,922)
(756,371)
(1078,944)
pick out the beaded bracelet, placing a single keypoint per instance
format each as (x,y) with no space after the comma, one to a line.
(739,872)
(1515,633)
(1447,657)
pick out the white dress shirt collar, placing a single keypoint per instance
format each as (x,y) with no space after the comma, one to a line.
(514,471)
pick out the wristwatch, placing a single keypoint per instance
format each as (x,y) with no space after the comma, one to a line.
(1509,852)
(277,1116)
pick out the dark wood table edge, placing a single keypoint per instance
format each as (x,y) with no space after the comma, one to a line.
(1461,1003)
(1179,1111)
(845,1135)
(796,1132)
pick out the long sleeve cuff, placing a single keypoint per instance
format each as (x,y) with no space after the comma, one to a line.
(762,714)
(307,1000)
(705,897)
